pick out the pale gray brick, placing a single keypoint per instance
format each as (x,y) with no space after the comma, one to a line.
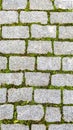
(53,114)
(41,5)
(20,94)
(12,46)
(11,78)
(21,63)
(47,96)
(8,17)
(6,111)
(52,63)
(61,17)
(68,113)
(14,4)
(66,32)
(37,79)
(63,48)
(68,96)
(39,31)
(3,62)
(62,80)
(14,127)
(39,47)
(15,32)
(33,16)
(3,95)
(38,127)
(64,4)
(28,112)
(67,64)
(61,127)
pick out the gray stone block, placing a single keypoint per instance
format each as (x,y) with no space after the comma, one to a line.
(30,112)
(47,96)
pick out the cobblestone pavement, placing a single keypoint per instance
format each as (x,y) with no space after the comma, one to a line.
(36,64)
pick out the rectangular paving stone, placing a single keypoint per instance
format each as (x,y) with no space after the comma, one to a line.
(68,113)
(52,63)
(3,62)
(3,92)
(61,127)
(14,127)
(11,78)
(34,16)
(14,4)
(53,114)
(12,46)
(6,111)
(8,17)
(67,64)
(38,127)
(21,63)
(20,94)
(47,96)
(41,5)
(61,17)
(15,32)
(37,78)
(30,112)
(39,31)
(63,48)
(66,32)
(39,47)
(62,80)
(64,4)
(68,97)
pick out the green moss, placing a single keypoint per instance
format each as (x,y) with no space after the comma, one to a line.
(0,4)
(62,88)
(28,6)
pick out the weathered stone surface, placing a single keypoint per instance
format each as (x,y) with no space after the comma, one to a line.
(66,32)
(47,96)
(34,16)
(3,92)
(63,48)
(39,47)
(30,112)
(68,113)
(21,94)
(14,127)
(21,63)
(3,62)
(15,32)
(64,4)
(68,96)
(11,78)
(61,17)
(14,4)
(62,80)
(61,127)
(67,64)
(38,127)
(12,46)
(8,17)
(37,79)
(41,5)
(6,111)
(52,63)
(39,31)
(53,114)
(36,64)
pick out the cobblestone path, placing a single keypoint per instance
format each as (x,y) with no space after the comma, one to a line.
(36,64)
